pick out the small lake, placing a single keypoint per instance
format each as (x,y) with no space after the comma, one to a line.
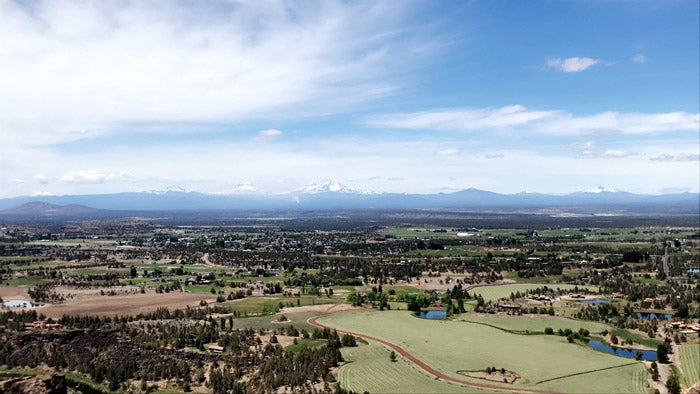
(596,301)
(642,315)
(647,355)
(433,315)
(17,304)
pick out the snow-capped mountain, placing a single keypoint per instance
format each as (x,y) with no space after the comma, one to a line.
(600,189)
(241,188)
(331,187)
(169,189)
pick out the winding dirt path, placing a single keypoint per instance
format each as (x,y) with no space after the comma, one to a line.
(427,368)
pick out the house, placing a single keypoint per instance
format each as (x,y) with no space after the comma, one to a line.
(216,348)
(41,324)
(616,295)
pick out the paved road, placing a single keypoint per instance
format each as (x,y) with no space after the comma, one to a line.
(428,369)
(665,259)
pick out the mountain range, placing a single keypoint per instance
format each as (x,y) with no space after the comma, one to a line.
(333,196)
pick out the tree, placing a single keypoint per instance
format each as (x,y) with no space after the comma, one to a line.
(672,385)
(392,356)
(662,353)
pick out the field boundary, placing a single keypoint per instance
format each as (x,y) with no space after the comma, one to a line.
(585,372)
(425,367)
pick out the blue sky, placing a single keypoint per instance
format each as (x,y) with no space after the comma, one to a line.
(410,96)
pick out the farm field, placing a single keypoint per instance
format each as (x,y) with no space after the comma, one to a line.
(533,323)
(690,364)
(542,361)
(124,304)
(493,293)
(368,368)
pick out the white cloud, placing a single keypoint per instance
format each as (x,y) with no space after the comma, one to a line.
(537,121)
(572,64)
(494,155)
(639,58)
(584,145)
(267,135)
(677,157)
(448,152)
(74,70)
(41,178)
(608,154)
(84,176)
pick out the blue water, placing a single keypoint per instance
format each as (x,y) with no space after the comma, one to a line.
(641,315)
(647,355)
(433,315)
(597,301)
(18,303)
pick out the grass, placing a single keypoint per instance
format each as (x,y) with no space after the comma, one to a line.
(493,293)
(304,343)
(625,335)
(297,319)
(534,324)
(451,346)
(690,364)
(368,368)
(418,232)
(268,304)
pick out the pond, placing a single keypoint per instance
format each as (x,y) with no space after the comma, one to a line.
(647,355)
(596,301)
(643,315)
(433,315)
(17,304)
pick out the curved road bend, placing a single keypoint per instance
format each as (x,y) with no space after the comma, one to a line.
(428,369)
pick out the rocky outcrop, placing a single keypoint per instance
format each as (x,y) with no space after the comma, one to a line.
(40,384)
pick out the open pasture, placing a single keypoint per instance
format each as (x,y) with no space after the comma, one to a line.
(690,364)
(493,293)
(543,361)
(533,324)
(368,368)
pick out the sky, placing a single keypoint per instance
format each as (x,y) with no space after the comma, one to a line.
(395,96)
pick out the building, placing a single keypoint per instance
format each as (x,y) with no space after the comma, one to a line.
(216,348)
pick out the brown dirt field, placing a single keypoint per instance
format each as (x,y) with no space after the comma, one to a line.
(124,304)
(7,292)
(319,308)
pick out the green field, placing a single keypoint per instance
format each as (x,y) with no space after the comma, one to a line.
(690,364)
(304,343)
(419,232)
(268,304)
(297,319)
(533,324)
(493,293)
(543,361)
(368,368)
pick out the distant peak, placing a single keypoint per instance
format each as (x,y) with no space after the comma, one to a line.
(241,188)
(169,189)
(42,193)
(600,189)
(332,187)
